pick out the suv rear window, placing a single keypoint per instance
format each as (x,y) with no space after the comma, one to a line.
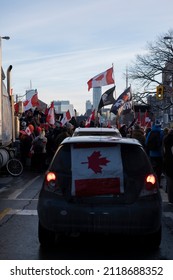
(96,133)
(135,165)
(134,159)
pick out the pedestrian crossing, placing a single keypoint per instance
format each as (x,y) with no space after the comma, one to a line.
(25,212)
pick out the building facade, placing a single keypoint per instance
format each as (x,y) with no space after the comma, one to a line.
(97,92)
(63,106)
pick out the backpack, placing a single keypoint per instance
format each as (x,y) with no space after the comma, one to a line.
(154,141)
(38,146)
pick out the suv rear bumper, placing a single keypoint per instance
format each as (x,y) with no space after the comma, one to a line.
(63,217)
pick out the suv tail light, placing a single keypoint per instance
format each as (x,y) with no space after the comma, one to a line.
(150,185)
(151,182)
(50,176)
(50,181)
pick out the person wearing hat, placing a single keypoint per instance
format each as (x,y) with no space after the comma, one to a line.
(138,133)
(70,128)
(65,131)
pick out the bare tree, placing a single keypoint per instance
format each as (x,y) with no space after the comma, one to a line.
(148,68)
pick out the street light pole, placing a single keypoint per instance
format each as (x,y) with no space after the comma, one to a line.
(1,72)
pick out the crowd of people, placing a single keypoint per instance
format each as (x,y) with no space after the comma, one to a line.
(39,145)
(39,140)
(158,144)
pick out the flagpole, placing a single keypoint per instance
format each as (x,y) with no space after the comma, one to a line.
(114,78)
(116,120)
(133,106)
(127,77)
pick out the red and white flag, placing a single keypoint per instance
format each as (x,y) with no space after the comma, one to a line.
(29,130)
(90,118)
(66,118)
(51,115)
(32,102)
(96,171)
(102,79)
(145,120)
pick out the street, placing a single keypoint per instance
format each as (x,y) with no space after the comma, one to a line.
(19,238)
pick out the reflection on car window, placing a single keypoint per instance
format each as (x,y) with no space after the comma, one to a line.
(62,161)
(134,159)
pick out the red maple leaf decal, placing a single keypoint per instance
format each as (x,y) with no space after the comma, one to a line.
(95,161)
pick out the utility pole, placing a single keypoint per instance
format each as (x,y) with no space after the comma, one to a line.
(127,77)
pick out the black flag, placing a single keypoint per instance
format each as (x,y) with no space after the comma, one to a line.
(107,98)
(126,96)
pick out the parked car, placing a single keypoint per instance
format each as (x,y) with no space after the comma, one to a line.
(100,184)
(84,131)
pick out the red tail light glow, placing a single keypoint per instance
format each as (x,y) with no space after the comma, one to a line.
(50,181)
(50,176)
(151,182)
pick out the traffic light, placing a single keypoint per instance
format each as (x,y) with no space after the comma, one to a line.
(159,92)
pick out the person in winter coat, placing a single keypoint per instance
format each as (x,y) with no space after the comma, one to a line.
(38,151)
(138,133)
(123,130)
(25,146)
(168,163)
(155,153)
(61,136)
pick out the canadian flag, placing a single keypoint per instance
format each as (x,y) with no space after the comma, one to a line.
(90,118)
(96,170)
(102,79)
(51,115)
(29,130)
(32,102)
(66,118)
(146,121)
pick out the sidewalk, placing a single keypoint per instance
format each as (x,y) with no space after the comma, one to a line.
(164,195)
(163,189)
(167,207)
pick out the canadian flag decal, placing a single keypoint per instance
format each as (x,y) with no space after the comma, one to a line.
(97,171)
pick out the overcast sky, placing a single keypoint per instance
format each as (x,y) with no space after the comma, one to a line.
(56,46)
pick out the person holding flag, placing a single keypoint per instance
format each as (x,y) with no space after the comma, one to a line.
(91,119)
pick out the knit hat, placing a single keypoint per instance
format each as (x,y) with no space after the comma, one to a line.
(39,129)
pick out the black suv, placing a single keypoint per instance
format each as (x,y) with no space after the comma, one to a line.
(100,184)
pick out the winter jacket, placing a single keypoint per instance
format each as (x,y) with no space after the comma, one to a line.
(138,134)
(157,153)
(168,154)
